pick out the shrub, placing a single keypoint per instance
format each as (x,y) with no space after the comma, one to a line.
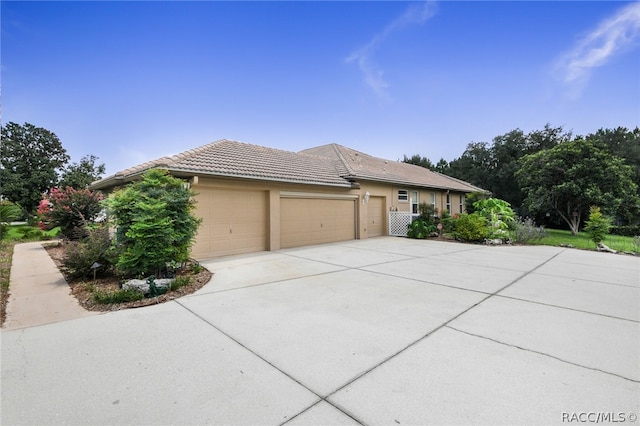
(499,214)
(625,230)
(70,209)
(598,225)
(427,212)
(118,296)
(81,255)
(525,231)
(32,234)
(9,212)
(180,282)
(471,227)
(448,222)
(420,229)
(154,223)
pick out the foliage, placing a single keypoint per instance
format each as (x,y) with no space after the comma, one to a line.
(624,144)
(154,223)
(420,229)
(470,200)
(598,225)
(418,160)
(499,215)
(9,212)
(120,296)
(81,175)
(570,177)
(426,212)
(564,238)
(70,209)
(180,282)
(30,158)
(81,255)
(525,231)
(6,257)
(29,233)
(625,230)
(448,222)
(471,227)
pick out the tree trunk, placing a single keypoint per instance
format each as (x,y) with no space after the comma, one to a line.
(572,217)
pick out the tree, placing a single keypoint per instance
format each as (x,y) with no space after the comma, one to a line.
(625,144)
(154,222)
(598,225)
(474,165)
(419,161)
(572,176)
(30,158)
(80,175)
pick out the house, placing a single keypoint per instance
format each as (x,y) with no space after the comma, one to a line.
(252,198)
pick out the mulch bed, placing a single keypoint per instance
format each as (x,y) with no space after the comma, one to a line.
(82,288)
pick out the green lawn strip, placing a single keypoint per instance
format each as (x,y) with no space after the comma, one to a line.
(557,237)
(6,255)
(29,233)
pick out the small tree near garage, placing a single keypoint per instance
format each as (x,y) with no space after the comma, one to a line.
(155,224)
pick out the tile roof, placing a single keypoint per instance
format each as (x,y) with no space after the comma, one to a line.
(360,166)
(237,159)
(332,165)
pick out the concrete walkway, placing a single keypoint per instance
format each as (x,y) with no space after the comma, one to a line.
(385,331)
(39,293)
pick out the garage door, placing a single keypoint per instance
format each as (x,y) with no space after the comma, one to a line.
(375,217)
(307,221)
(233,222)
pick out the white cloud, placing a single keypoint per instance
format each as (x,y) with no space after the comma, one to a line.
(415,14)
(614,35)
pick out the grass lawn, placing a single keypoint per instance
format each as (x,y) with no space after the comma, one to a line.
(28,233)
(556,237)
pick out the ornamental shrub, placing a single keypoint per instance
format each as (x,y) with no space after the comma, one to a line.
(471,227)
(70,209)
(526,231)
(598,225)
(154,222)
(420,229)
(81,255)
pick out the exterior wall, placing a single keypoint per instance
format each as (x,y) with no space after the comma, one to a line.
(385,195)
(272,191)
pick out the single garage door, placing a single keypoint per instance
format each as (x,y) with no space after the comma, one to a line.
(307,221)
(233,222)
(375,217)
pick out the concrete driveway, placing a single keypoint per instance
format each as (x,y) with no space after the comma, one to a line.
(386,331)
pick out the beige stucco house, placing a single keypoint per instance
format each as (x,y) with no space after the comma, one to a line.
(252,198)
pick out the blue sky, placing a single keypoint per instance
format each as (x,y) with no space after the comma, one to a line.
(133,81)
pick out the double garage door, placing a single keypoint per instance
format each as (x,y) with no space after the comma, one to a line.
(235,222)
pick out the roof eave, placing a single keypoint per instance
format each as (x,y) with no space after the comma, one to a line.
(118,180)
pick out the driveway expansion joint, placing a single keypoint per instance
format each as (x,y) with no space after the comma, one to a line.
(541,353)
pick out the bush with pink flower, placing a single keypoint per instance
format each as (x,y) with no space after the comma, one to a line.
(70,209)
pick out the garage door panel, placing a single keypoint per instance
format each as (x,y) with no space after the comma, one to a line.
(234,222)
(306,221)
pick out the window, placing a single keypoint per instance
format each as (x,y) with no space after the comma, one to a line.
(462,200)
(414,202)
(448,203)
(403,195)
(433,201)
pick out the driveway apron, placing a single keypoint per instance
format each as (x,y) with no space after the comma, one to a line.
(383,331)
